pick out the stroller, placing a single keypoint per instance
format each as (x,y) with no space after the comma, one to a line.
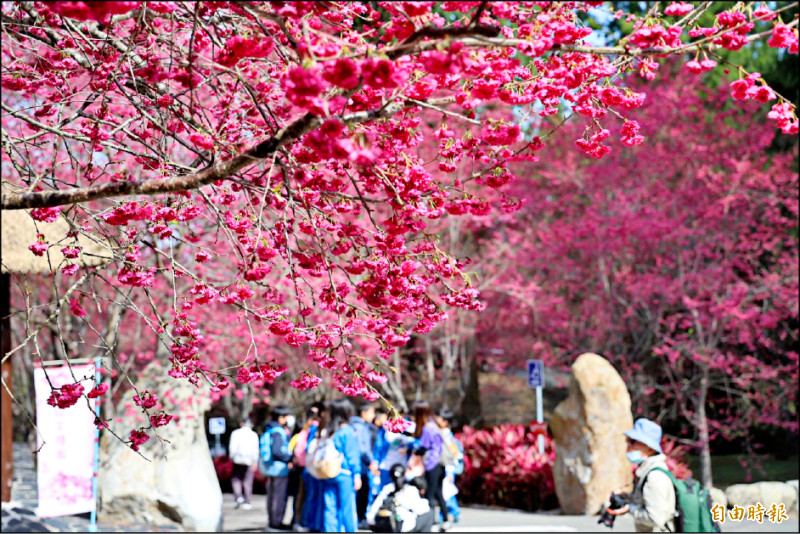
(400,507)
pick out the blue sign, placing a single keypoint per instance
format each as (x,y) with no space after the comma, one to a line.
(216,425)
(535,373)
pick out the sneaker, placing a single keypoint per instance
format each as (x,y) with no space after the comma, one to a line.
(447,525)
(247,506)
(239,502)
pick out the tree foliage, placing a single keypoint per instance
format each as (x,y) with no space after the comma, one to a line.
(258,170)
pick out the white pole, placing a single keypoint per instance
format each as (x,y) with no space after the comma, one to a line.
(539,417)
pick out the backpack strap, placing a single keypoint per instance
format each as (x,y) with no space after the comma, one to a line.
(672,479)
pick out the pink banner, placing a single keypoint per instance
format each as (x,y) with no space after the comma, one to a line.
(65,462)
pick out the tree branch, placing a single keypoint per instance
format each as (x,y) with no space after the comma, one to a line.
(219,171)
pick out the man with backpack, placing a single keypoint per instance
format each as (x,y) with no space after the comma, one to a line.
(660,502)
(276,457)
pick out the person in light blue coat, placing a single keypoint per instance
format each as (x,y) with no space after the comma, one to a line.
(366,432)
(339,494)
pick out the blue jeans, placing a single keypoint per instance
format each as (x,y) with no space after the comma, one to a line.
(339,500)
(453,508)
(311,515)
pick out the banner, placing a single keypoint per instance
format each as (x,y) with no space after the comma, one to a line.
(66,441)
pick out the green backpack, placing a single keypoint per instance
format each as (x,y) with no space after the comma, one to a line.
(692,505)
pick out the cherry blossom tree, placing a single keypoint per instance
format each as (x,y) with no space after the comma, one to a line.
(255,168)
(683,274)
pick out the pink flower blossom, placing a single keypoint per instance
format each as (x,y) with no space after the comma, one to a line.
(76,309)
(65,396)
(45,214)
(342,73)
(678,9)
(98,391)
(146,400)
(397,425)
(138,437)
(306,381)
(71,252)
(39,247)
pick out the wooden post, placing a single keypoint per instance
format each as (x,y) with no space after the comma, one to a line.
(6,415)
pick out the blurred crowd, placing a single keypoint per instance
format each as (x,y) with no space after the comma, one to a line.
(343,470)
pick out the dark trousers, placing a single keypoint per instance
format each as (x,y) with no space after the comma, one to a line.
(424,522)
(434,478)
(242,479)
(362,497)
(293,490)
(276,500)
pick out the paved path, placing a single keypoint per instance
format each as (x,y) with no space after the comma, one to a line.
(19,516)
(479,519)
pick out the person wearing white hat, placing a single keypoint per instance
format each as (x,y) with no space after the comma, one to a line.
(652,503)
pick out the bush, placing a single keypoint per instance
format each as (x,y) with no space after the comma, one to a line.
(503,467)
(224,468)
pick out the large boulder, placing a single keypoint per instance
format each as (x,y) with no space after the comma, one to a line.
(588,429)
(766,493)
(795,484)
(178,485)
(718,497)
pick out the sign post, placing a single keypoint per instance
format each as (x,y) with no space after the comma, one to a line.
(98,362)
(536,380)
(216,426)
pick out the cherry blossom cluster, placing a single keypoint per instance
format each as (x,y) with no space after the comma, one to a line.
(273,178)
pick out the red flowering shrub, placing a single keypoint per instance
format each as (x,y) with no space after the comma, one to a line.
(223,466)
(503,467)
(676,458)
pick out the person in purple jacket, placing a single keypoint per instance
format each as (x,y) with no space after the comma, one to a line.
(339,494)
(430,439)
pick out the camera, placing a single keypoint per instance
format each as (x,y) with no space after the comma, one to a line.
(617,502)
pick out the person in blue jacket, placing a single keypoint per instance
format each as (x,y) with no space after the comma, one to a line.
(379,451)
(274,447)
(311,510)
(339,494)
(365,434)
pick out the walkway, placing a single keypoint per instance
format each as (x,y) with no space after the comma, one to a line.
(19,515)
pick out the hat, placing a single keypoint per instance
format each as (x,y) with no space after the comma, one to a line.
(397,471)
(281,410)
(647,432)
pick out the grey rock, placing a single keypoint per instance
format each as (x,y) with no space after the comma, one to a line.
(766,493)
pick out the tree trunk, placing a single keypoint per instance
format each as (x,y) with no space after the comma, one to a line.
(702,426)
(471,403)
(7,418)
(429,367)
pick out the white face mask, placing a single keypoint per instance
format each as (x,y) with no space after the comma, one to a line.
(635,457)
(290,421)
